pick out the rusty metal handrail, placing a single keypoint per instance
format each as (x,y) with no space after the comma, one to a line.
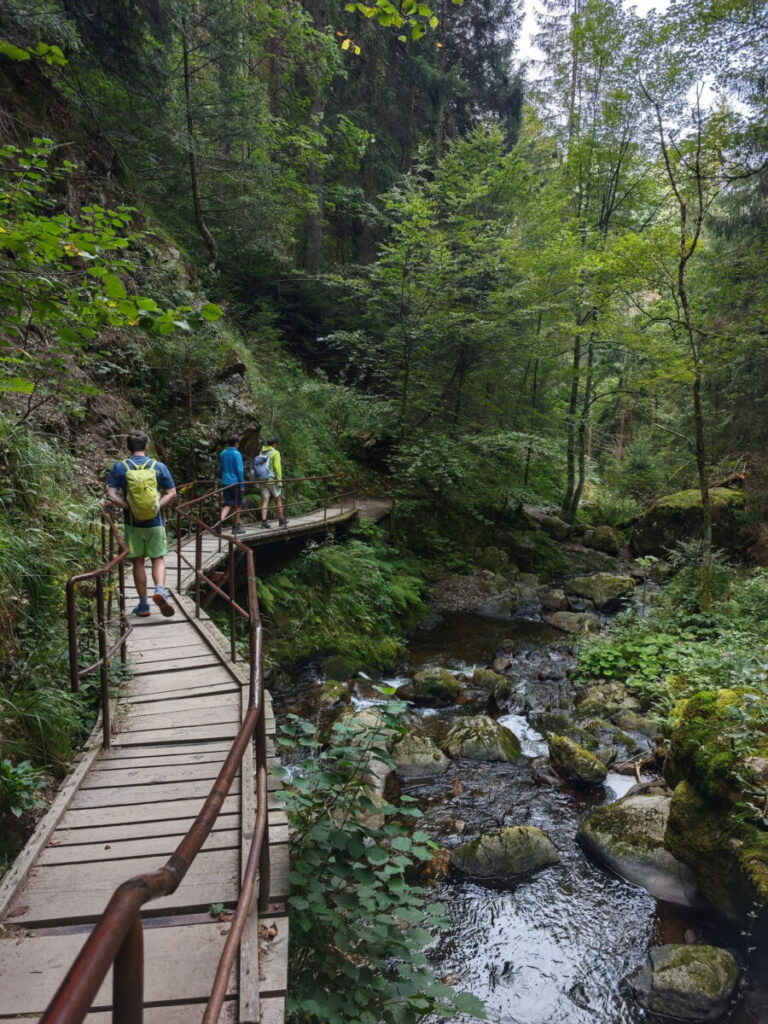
(118,936)
(76,673)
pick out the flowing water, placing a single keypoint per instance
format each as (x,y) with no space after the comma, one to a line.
(556,946)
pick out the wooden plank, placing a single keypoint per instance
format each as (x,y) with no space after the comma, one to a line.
(177,708)
(186,1013)
(152,696)
(196,655)
(248,971)
(117,753)
(170,828)
(141,775)
(160,683)
(273,966)
(74,893)
(172,809)
(153,792)
(272,1011)
(186,734)
(158,846)
(279,866)
(180,963)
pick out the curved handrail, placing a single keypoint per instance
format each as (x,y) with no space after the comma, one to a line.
(117,937)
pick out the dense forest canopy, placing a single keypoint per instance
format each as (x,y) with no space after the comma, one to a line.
(460,278)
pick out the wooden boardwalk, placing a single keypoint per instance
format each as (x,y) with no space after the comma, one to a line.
(123,812)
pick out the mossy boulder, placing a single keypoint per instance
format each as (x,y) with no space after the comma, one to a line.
(333,692)
(686,982)
(580,560)
(575,763)
(553,599)
(534,551)
(490,681)
(602,589)
(432,687)
(679,516)
(493,558)
(574,622)
(337,666)
(466,593)
(604,538)
(515,850)
(628,836)
(417,756)
(479,738)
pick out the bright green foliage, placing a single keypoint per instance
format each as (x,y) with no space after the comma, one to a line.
(417,16)
(351,598)
(19,787)
(359,928)
(61,284)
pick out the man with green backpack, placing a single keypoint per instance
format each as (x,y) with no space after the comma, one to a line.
(143,487)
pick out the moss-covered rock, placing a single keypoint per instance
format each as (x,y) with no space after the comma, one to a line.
(333,692)
(574,622)
(515,850)
(336,666)
(580,560)
(628,836)
(553,599)
(490,681)
(679,517)
(481,739)
(493,558)
(534,551)
(686,982)
(604,538)
(602,588)
(574,762)
(417,756)
(432,687)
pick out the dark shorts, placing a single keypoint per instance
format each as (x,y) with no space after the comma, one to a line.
(232,495)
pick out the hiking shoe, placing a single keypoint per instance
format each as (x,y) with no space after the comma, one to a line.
(142,610)
(282,522)
(217,527)
(239,529)
(165,606)
(265,525)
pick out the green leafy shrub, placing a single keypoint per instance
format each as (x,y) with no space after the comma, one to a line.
(351,598)
(20,786)
(358,927)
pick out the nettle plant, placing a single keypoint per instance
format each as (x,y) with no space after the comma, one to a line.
(61,283)
(359,928)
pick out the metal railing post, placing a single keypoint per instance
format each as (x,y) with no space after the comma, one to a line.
(104,666)
(128,978)
(325,499)
(178,550)
(74,652)
(198,564)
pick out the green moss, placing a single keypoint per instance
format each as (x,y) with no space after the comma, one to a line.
(702,746)
(705,969)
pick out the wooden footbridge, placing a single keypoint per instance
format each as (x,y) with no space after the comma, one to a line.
(154,888)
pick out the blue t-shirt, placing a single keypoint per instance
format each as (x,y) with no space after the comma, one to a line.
(165,482)
(231,469)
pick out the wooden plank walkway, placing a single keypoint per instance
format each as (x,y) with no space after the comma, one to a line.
(176,718)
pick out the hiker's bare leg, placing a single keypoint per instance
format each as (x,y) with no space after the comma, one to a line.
(279,506)
(140,577)
(158,572)
(225,510)
(265,507)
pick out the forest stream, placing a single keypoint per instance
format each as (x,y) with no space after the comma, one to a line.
(553,947)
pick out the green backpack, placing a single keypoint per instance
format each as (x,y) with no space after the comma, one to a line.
(142,494)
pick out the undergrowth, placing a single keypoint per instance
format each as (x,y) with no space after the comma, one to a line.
(353,598)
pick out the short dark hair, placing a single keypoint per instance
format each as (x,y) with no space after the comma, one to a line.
(233,441)
(137,442)
(272,440)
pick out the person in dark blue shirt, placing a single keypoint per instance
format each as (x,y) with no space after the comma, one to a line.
(232,478)
(145,537)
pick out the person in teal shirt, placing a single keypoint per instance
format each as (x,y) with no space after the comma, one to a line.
(232,478)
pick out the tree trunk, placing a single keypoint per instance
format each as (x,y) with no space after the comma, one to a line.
(583,434)
(570,453)
(194,170)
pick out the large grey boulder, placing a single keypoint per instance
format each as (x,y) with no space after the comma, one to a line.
(434,687)
(628,836)
(481,739)
(574,762)
(417,756)
(687,982)
(603,538)
(574,622)
(602,588)
(510,851)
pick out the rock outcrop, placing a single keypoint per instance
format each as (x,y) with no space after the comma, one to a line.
(628,836)
(679,517)
(574,762)
(515,850)
(481,739)
(602,589)
(686,982)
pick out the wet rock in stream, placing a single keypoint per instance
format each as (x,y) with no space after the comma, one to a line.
(688,982)
(515,850)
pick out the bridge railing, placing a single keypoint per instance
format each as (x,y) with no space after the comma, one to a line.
(105,593)
(117,940)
